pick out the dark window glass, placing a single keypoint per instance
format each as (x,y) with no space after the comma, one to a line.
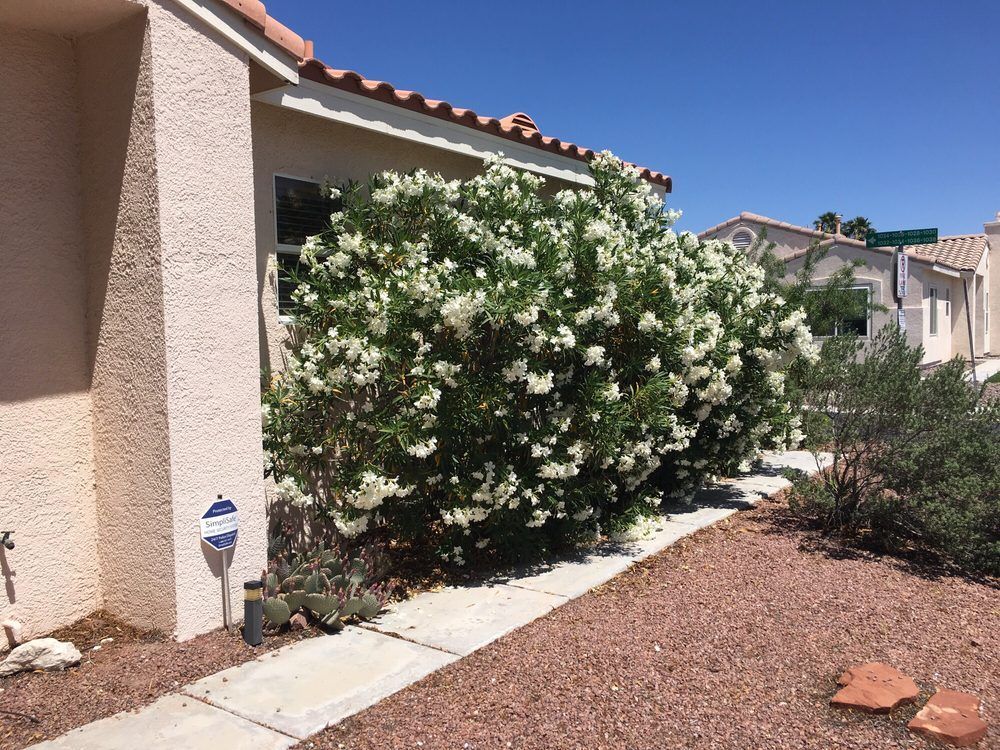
(301,209)
(288,264)
(855,321)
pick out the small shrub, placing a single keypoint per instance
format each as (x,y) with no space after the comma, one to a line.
(482,367)
(916,459)
(330,586)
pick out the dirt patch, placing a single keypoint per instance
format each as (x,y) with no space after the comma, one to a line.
(124,674)
(734,638)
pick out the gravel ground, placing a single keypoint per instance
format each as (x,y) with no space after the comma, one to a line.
(731,639)
(133,670)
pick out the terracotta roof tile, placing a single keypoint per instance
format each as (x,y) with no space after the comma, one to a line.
(960,252)
(517,127)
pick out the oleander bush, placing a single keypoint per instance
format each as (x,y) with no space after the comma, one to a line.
(916,460)
(481,367)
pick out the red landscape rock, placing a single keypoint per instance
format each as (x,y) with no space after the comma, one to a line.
(876,688)
(950,717)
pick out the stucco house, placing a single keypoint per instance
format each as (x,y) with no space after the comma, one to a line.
(161,165)
(953,295)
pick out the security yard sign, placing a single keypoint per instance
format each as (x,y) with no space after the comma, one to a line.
(902,237)
(219,524)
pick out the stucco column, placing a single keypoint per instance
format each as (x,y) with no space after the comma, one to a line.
(992,281)
(201,106)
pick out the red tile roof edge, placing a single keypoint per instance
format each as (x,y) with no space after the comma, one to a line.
(517,127)
(913,251)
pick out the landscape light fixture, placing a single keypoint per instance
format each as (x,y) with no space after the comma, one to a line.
(253,612)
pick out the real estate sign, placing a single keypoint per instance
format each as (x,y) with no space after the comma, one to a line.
(902,237)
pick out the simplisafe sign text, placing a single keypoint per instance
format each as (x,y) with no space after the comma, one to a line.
(219,524)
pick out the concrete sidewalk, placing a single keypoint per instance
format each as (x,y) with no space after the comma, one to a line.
(287,695)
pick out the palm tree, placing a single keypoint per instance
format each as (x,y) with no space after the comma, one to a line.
(858,228)
(827,222)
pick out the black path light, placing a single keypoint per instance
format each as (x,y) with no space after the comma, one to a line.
(253,612)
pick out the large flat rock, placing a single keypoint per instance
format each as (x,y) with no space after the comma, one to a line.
(171,723)
(304,688)
(462,619)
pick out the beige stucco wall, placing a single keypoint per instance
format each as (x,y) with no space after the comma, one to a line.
(204,167)
(46,482)
(129,300)
(126,323)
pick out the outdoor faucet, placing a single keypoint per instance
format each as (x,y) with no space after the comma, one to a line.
(5,539)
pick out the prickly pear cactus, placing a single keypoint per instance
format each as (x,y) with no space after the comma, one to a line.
(276,611)
(371,605)
(330,586)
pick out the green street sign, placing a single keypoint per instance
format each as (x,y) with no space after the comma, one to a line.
(902,237)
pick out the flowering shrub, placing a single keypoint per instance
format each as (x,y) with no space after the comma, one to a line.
(487,368)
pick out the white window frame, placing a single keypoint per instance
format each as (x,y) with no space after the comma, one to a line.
(281,248)
(868,316)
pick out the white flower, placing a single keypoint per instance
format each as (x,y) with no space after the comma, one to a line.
(594,355)
(653,365)
(539,384)
(460,311)
(429,399)
(648,322)
(424,449)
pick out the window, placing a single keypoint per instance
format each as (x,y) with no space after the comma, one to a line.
(857,320)
(742,239)
(301,209)
(986,310)
(933,317)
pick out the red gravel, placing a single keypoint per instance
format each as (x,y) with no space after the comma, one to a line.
(733,639)
(133,670)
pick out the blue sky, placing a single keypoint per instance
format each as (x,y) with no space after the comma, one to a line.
(886,108)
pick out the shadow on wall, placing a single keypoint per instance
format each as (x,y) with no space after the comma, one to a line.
(49,190)
(8,577)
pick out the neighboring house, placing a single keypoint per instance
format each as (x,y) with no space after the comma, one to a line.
(951,305)
(161,158)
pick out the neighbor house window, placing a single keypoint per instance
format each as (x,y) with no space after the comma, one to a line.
(742,239)
(857,320)
(933,317)
(301,209)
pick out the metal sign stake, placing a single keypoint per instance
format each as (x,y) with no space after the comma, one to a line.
(227,615)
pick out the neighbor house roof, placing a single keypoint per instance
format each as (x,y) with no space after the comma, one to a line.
(959,252)
(517,127)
